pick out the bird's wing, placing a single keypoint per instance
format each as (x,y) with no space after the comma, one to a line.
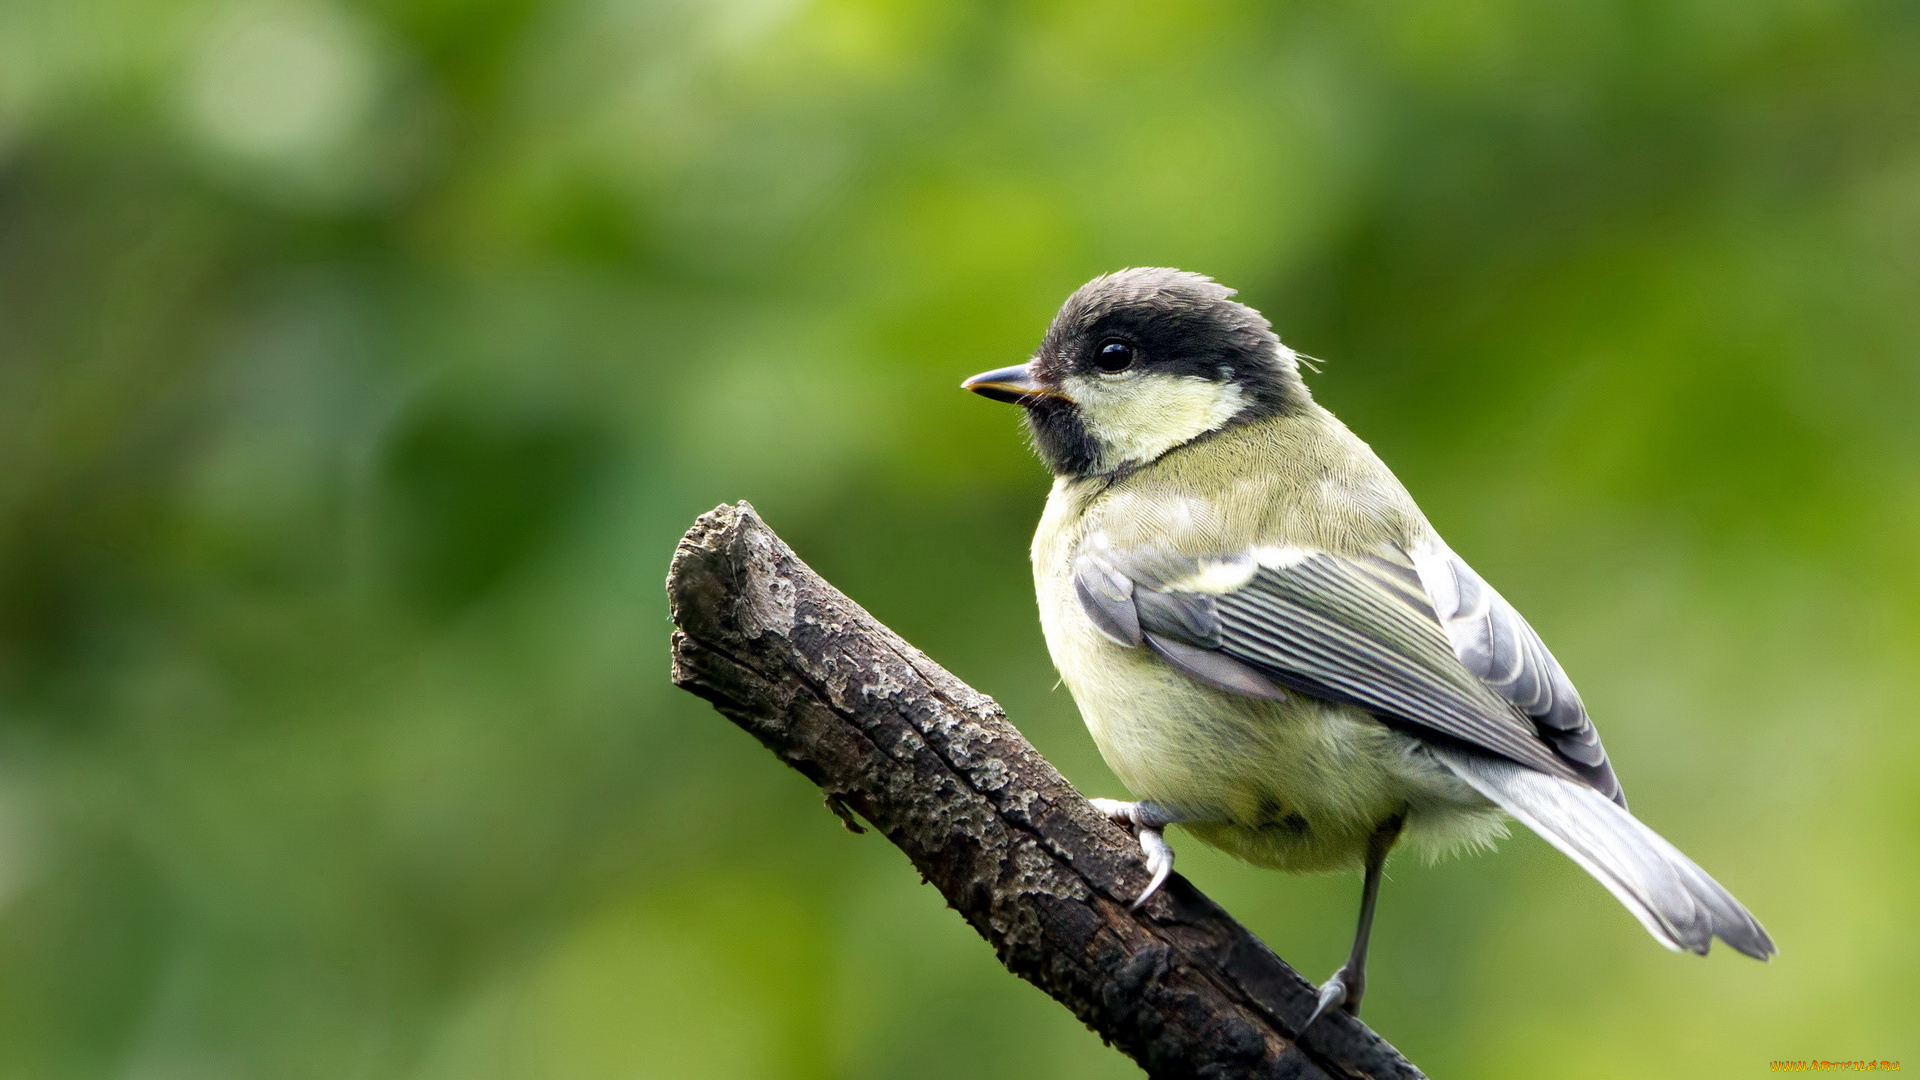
(1496,644)
(1413,636)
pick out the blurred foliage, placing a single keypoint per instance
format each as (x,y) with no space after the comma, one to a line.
(361,362)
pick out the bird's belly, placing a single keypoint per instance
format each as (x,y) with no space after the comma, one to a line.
(1297,784)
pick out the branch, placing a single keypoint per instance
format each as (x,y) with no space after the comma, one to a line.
(1179,986)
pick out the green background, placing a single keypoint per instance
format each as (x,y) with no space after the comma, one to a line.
(361,362)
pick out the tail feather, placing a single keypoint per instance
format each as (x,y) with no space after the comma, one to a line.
(1673,898)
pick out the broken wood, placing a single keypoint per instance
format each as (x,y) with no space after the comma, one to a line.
(935,766)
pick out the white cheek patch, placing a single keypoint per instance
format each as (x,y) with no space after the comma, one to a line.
(1136,418)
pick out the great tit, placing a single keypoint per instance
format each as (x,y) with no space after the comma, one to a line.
(1270,644)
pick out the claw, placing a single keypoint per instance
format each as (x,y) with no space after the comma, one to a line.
(1333,993)
(1146,820)
(1159,862)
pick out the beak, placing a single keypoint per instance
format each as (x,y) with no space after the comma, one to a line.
(1013,385)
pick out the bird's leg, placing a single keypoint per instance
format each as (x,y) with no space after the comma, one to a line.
(1146,819)
(1346,986)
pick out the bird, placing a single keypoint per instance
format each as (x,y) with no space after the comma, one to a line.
(1273,648)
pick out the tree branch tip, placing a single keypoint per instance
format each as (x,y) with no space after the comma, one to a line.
(935,767)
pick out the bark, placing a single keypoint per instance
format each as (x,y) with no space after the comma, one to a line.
(936,767)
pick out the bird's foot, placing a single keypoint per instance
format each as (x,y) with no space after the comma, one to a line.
(1147,820)
(1341,990)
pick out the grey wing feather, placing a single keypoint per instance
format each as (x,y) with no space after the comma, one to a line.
(1419,639)
(1214,667)
(1415,636)
(1353,630)
(1107,597)
(1496,645)
(1673,898)
(1325,620)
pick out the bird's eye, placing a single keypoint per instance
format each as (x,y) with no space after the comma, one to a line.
(1114,356)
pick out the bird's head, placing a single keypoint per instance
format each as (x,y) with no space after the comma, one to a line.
(1139,362)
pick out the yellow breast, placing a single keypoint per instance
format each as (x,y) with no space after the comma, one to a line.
(1296,784)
